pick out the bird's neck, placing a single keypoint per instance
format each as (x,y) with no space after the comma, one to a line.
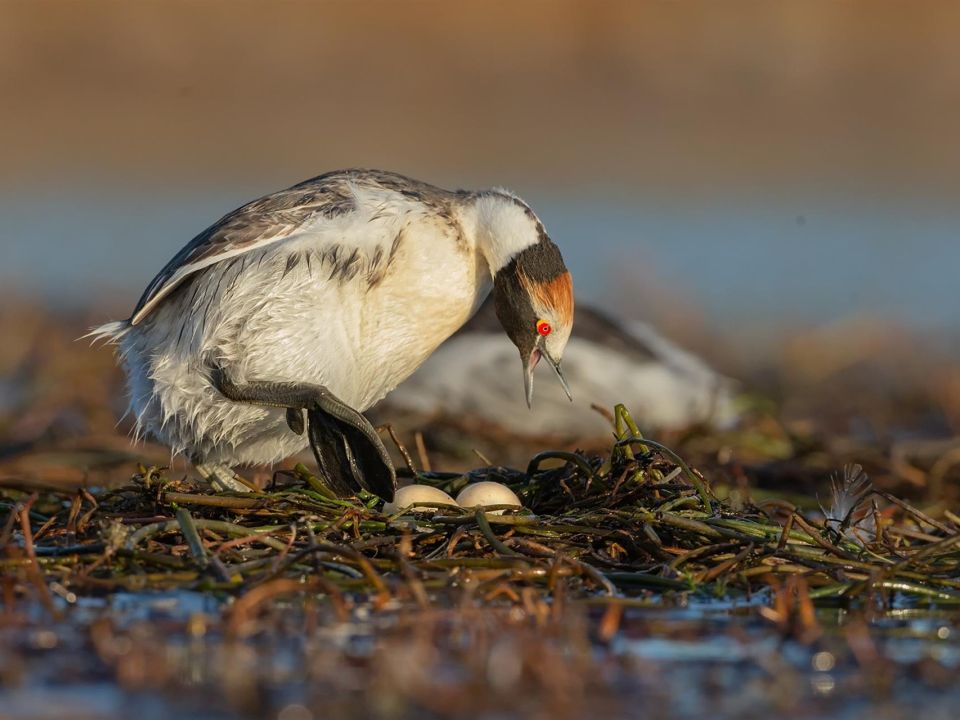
(501,227)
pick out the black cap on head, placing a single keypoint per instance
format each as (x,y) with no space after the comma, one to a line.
(533,298)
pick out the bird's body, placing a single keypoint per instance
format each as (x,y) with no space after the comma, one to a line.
(346,282)
(607,361)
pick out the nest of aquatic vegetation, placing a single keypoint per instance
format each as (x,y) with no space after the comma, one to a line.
(634,522)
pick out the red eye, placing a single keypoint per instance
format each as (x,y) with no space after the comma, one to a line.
(543,327)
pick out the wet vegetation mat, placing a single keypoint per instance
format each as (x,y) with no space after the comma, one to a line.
(752,571)
(634,521)
(290,600)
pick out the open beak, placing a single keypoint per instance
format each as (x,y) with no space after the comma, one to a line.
(555,364)
(530,363)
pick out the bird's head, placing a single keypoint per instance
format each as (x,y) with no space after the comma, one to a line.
(532,289)
(533,296)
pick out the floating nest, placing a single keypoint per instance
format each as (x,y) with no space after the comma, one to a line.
(619,528)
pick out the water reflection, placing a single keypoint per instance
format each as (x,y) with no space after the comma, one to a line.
(158,654)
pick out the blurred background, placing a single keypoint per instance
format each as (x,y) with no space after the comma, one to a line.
(767,163)
(773,185)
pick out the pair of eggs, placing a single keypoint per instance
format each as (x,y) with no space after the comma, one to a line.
(479,494)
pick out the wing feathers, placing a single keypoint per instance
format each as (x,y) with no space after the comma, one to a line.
(178,270)
(321,209)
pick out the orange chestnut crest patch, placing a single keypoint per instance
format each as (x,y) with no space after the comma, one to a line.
(543,327)
(555,295)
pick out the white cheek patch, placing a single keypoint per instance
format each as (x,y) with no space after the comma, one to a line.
(556,341)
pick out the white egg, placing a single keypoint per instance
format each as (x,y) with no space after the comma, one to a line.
(486,493)
(410,494)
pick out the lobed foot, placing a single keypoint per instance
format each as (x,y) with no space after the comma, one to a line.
(347,448)
(222,478)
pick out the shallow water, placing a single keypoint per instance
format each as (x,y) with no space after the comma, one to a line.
(155,655)
(748,263)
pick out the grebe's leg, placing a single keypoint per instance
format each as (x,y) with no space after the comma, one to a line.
(348,450)
(222,478)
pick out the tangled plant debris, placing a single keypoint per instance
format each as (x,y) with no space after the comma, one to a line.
(611,529)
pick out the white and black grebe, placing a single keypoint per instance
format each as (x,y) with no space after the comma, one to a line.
(278,325)
(607,361)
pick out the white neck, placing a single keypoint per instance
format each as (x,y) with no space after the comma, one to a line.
(500,227)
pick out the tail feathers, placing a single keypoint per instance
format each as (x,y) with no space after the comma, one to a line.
(110,333)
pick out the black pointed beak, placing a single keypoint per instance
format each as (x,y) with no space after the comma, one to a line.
(530,363)
(555,364)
